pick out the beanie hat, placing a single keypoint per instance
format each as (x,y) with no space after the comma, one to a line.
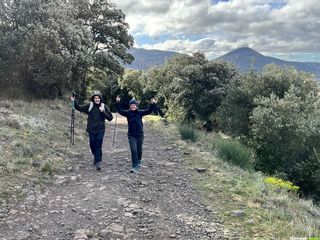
(133,101)
(96,93)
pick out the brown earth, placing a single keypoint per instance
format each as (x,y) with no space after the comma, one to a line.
(159,202)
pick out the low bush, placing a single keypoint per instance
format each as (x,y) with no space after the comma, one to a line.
(188,132)
(234,152)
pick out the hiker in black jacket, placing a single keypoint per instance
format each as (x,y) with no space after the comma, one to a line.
(97,113)
(135,129)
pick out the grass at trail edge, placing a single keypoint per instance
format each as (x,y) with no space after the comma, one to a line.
(249,207)
(35,144)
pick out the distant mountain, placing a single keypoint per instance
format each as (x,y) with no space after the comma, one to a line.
(244,58)
(145,59)
(247,58)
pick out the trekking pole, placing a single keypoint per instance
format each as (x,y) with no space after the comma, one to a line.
(115,127)
(72,120)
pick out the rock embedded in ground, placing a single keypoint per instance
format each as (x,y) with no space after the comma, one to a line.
(201,170)
(157,203)
(116,228)
(81,234)
(104,233)
(237,213)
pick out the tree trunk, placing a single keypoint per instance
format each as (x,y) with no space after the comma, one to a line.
(59,90)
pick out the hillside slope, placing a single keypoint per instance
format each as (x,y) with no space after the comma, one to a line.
(34,144)
(243,58)
(50,189)
(248,59)
(145,59)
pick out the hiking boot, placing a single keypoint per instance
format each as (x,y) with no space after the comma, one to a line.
(98,166)
(134,170)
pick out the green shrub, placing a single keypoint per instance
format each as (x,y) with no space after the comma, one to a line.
(307,176)
(188,132)
(153,118)
(286,138)
(234,152)
(48,167)
(279,183)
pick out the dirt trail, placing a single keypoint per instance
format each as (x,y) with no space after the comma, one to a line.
(159,202)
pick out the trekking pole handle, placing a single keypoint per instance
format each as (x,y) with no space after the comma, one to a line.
(74,95)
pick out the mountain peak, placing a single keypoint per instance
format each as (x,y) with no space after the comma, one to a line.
(244,51)
(243,58)
(246,59)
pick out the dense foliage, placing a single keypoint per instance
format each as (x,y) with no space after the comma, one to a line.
(275,112)
(189,88)
(50,47)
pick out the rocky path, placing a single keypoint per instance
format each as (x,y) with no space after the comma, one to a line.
(159,202)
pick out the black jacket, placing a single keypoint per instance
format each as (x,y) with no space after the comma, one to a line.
(134,118)
(96,119)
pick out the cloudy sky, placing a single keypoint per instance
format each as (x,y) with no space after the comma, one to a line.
(287,29)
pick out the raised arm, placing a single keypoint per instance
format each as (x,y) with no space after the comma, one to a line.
(82,108)
(119,110)
(150,109)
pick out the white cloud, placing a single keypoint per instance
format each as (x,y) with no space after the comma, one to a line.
(156,18)
(266,25)
(186,46)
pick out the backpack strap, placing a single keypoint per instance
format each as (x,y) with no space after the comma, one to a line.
(91,106)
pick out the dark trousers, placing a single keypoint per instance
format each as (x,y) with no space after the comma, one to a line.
(96,140)
(136,150)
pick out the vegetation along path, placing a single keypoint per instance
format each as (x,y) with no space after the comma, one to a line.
(159,202)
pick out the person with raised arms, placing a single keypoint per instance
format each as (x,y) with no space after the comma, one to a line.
(135,129)
(97,113)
